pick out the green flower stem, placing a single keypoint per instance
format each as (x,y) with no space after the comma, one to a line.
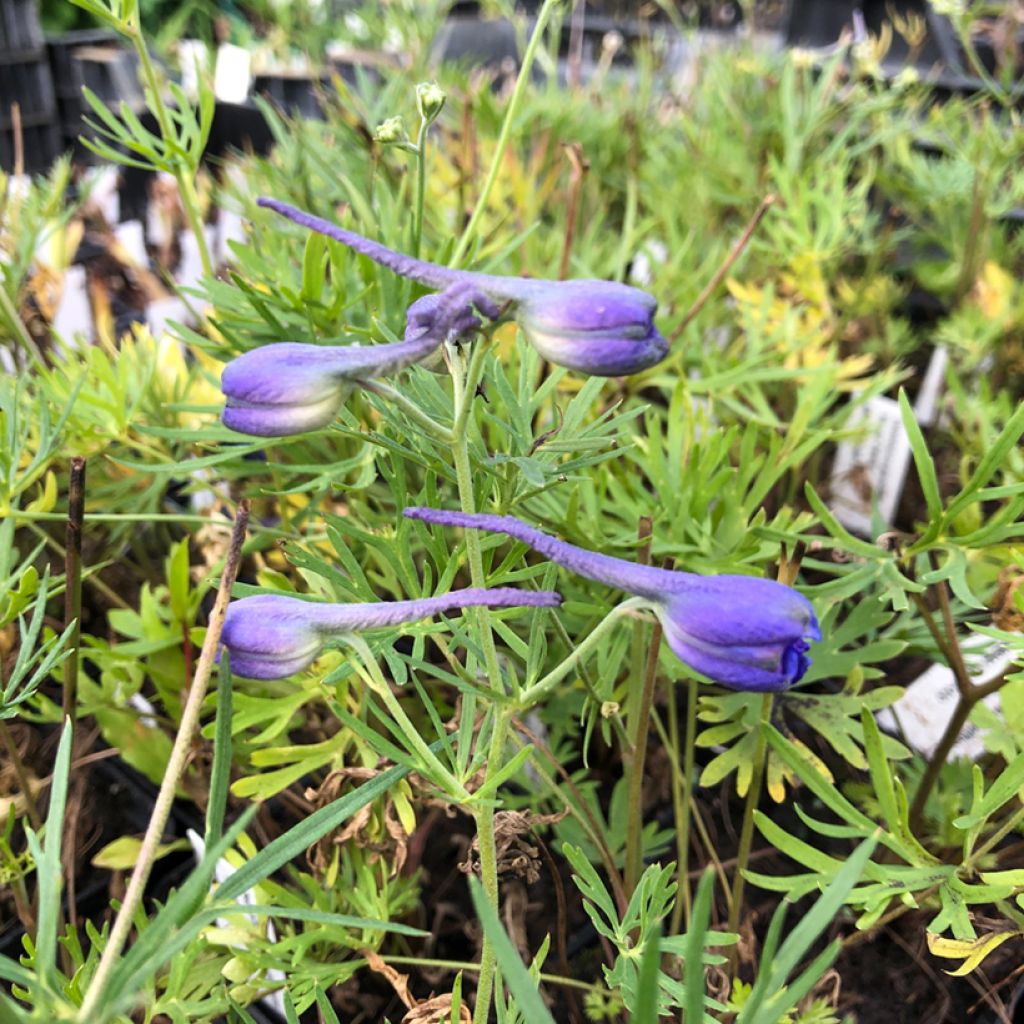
(672,749)
(506,131)
(534,694)
(371,672)
(464,390)
(180,752)
(395,397)
(421,187)
(635,765)
(682,800)
(753,797)
(483,816)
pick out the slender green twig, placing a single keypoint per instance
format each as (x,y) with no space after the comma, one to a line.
(183,173)
(421,187)
(93,999)
(395,397)
(534,694)
(371,672)
(464,391)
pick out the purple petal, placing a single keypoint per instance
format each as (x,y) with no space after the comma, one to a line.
(742,669)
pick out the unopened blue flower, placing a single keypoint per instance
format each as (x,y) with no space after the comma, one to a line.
(598,327)
(744,632)
(271,636)
(291,387)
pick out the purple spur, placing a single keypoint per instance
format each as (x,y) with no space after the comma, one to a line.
(745,632)
(598,327)
(271,636)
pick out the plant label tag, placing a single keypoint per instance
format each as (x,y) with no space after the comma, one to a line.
(929,702)
(73,319)
(192,58)
(868,473)
(222,871)
(133,239)
(926,406)
(230,228)
(190,270)
(232,74)
(104,184)
(159,314)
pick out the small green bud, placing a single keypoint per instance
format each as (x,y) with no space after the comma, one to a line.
(430,98)
(391,132)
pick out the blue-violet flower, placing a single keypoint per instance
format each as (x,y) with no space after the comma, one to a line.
(744,632)
(271,636)
(291,387)
(598,327)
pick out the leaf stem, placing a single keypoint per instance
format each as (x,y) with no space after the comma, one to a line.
(395,397)
(534,694)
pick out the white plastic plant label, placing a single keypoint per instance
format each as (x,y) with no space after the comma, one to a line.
(221,873)
(132,237)
(73,319)
(192,59)
(926,405)
(929,702)
(232,74)
(104,184)
(230,228)
(869,472)
(190,270)
(160,313)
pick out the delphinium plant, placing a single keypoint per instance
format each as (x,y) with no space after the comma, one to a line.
(418,439)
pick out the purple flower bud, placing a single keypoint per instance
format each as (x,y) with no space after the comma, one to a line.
(744,632)
(602,328)
(271,636)
(598,327)
(290,387)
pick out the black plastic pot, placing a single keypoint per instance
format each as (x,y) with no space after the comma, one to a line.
(126,798)
(25,80)
(19,26)
(95,59)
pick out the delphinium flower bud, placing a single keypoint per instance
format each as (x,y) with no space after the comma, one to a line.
(291,387)
(603,328)
(271,636)
(744,632)
(430,99)
(391,133)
